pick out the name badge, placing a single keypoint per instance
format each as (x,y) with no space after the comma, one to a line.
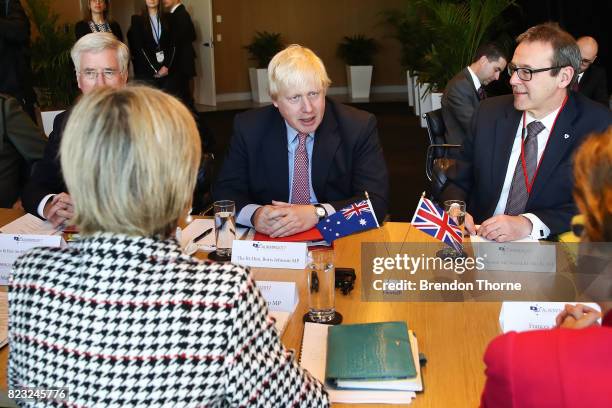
(160,56)
(268,254)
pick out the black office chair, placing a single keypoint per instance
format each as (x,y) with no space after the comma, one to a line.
(437,165)
(202,196)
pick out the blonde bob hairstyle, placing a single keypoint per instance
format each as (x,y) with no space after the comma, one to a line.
(130,158)
(296,68)
(593,185)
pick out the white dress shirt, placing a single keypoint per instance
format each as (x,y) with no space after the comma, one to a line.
(475,79)
(539,230)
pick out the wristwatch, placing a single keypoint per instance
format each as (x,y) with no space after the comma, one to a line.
(320,211)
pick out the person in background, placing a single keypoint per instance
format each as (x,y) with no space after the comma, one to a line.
(100,60)
(183,33)
(15,69)
(21,144)
(547,368)
(295,162)
(96,20)
(151,45)
(150,325)
(592,81)
(465,91)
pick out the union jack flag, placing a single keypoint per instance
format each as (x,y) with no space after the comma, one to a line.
(353,218)
(434,221)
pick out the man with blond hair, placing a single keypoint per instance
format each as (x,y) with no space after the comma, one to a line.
(305,156)
(100,60)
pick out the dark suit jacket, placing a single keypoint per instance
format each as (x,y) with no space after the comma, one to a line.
(484,159)
(547,368)
(593,85)
(47,175)
(346,160)
(184,35)
(144,48)
(82,28)
(21,144)
(459,101)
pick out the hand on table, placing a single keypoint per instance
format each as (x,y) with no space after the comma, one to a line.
(503,228)
(469,225)
(577,317)
(163,71)
(59,209)
(283,219)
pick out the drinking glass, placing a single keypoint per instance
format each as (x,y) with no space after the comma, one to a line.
(456,211)
(320,278)
(225,227)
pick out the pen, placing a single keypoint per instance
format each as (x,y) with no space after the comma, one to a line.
(202,235)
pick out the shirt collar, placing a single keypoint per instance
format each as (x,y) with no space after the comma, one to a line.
(580,76)
(175,6)
(475,79)
(547,120)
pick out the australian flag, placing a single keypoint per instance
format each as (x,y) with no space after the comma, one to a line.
(434,221)
(356,217)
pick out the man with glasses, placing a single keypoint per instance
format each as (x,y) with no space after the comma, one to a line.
(305,156)
(592,78)
(100,60)
(515,170)
(465,91)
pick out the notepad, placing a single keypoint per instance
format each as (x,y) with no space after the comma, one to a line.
(313,358)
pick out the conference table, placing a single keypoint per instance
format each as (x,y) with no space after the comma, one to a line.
(452,335)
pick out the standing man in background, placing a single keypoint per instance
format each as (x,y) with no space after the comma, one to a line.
(592,78)
(183,31)
(15,71)
(465,91)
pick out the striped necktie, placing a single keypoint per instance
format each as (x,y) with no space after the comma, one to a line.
(300,185)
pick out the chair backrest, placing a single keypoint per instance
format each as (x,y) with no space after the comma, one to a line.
(435,127)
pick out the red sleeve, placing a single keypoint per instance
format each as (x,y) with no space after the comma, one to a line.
(499,388)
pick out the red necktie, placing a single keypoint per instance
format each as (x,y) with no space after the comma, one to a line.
(300,185)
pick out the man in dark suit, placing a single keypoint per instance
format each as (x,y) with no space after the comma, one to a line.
(295,162)
(183,32)
(100,60)
(592,78)
(15,71)
(515,170)
(465,91)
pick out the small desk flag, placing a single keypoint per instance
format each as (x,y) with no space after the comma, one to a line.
(356,217)
(434,221)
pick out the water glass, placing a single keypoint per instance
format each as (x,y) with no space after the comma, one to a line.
(225,227)
(456,211)
(320,278)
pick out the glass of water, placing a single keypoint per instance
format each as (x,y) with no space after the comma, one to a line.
(225,228)
(320,278)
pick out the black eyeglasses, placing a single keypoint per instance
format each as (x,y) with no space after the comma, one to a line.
(586,61)
(525,74)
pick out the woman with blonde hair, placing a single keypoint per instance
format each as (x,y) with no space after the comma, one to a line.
(96,20)
(122,318)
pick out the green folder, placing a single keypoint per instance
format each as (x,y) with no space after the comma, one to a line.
(371,351)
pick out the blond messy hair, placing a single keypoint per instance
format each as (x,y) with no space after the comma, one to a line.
(593,185)
(130,158)
(296,68)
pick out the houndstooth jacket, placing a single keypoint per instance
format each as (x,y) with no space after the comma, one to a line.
(127,321)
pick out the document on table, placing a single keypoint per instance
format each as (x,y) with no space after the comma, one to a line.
(197,227)
(30,225)
(313,358)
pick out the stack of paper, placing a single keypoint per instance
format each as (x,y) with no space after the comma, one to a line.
(314,357)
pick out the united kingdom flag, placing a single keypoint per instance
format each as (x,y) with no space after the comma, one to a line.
(353,218)
(434,221)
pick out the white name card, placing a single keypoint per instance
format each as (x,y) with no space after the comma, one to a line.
(269,254)
(524,316)
(518,257)
(13,245)
(282,298)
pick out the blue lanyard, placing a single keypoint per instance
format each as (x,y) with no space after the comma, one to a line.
(156,29)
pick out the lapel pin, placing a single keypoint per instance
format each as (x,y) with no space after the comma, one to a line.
(566,136)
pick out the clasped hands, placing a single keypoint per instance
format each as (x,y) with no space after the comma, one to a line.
(500,228)
(282,219)
(577,317)
(59,209)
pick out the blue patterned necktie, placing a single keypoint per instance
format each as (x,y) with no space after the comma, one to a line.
(300,185)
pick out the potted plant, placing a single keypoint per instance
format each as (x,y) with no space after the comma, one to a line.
(357,52)
(52,70)
(264,46)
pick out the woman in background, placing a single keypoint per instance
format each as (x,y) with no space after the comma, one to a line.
(569,366)
(122,318)
(96,20)
(151,44)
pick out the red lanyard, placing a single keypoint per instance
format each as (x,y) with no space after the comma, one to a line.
(529,185)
